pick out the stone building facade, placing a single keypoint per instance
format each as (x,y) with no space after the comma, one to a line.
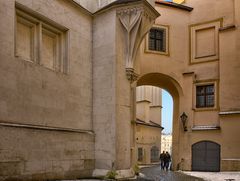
(148,124)
(70,71)
(166,142)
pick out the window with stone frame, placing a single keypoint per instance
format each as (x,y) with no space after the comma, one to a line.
(157,39)
(140,154)
(205,96)
(40,42)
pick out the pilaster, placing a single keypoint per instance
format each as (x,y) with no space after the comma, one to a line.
(114,50)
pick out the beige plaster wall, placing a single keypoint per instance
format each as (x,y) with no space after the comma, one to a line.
(176,67)
(143,111)
(229,94)
(155,114)
(34,96)
(149,103)
(146,138)
(172,65)
(210,10)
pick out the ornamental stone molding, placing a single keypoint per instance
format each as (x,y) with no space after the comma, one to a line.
(136,21)
(131,75)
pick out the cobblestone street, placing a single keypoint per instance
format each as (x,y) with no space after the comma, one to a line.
(156,174)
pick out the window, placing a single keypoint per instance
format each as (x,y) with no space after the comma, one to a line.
(140,154)
(25,39)
(205,96)
(154,154)
(40,42)
(157,40)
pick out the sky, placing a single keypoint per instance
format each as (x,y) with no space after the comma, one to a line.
(167,112)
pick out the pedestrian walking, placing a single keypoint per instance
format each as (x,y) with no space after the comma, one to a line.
(167,160)
(162,158)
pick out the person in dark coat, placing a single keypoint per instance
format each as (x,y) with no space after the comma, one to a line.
(162,158)
(167,160)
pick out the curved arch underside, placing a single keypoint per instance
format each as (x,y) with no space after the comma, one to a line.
(163,81)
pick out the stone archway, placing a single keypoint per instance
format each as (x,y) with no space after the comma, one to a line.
(172,86)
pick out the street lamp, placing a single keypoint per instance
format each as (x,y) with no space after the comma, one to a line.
(184,120)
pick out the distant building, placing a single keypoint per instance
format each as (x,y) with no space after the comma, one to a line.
(166,143)
(148,124)
(178,1)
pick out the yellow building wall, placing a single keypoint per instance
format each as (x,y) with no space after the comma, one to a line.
(178,1)
(179,76)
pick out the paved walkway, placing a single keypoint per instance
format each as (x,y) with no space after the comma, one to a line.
(216,176)
(156,174)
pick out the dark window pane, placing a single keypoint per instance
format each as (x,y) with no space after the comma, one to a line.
(210,89)
(159,45)
(200,101)
(205,96)
(152,33)
(157,39)
(159,34)
(140,154)
(151,44)
(210,101)
(200,90)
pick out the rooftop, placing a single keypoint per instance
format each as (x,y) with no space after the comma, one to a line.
(174,5)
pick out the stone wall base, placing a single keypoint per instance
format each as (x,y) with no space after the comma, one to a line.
(120,173)
(39,154)
(230,165)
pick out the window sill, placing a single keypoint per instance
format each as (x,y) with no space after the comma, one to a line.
(31,63)
(157,52)
(205,128)
(205,109)
(226,113)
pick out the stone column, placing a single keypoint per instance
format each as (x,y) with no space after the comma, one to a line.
(116,37)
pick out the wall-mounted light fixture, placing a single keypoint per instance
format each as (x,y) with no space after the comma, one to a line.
(184,120)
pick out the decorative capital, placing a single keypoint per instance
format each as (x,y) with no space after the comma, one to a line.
(131,75)
(136,21)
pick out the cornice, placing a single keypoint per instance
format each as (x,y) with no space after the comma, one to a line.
(42,127)
(80,7)
(122,3)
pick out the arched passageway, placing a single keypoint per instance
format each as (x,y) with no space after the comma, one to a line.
(172,86)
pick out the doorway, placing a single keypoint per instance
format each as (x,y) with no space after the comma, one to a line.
(206,156)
